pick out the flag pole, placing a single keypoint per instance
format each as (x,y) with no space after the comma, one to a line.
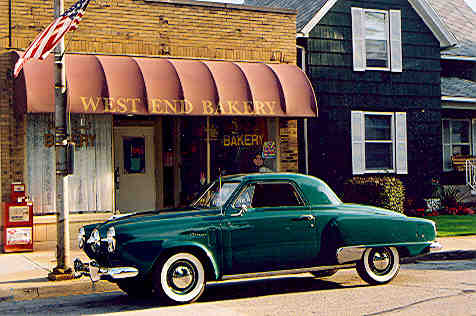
(63,270)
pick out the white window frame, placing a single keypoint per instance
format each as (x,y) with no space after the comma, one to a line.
(358,147)
(391,141)
(451,144)
(393,35)
(387,37)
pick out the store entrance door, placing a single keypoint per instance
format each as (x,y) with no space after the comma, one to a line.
(134,169)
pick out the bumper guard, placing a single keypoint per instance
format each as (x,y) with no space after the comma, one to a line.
(96,272)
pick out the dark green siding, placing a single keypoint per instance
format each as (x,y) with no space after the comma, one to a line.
(340,90)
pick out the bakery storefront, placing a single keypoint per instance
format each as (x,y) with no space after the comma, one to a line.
(150,132)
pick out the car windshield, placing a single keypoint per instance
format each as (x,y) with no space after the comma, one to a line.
(215,196)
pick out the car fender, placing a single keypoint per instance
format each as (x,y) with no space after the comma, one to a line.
(173,244)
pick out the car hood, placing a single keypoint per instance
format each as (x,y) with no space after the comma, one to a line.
(177,213)
(368,210)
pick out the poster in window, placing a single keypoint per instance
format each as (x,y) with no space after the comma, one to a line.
(19,235)
(134,155)
(18,214)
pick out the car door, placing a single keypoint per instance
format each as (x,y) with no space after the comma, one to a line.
(277,230)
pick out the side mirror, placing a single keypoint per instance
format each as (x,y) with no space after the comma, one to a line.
(242,211)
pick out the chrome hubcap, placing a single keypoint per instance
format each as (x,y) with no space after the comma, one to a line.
(381,260)
(182,276)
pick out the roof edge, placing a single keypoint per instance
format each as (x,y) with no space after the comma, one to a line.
(434,22)
(458,99)
(461,58)
(423,9)
(316,18)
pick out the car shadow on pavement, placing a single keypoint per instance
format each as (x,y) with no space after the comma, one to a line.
(271,286)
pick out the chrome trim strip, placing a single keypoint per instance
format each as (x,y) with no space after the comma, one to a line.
(282,272)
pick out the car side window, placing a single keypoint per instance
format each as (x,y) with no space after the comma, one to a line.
(275,194)
(245,197)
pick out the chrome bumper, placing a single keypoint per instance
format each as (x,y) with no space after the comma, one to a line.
(96,273)
(434,246)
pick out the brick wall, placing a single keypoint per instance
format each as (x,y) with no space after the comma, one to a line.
(156,27)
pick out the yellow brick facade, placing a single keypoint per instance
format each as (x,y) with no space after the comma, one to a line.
(155,27)
(175,28)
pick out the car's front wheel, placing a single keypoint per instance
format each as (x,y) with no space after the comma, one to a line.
(379,265)
(180,278)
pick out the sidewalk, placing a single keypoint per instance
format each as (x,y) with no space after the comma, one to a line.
(23,276)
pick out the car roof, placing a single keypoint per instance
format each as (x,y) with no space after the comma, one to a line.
(265,176)
(308,184)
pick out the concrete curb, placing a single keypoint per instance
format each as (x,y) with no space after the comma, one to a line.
(55,289)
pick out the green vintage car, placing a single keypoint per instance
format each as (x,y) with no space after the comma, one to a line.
(250,225)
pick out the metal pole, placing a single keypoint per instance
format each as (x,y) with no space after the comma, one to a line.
(208,151)
(62,270)
(306,147)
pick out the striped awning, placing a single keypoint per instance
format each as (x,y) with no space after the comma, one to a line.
(164,86)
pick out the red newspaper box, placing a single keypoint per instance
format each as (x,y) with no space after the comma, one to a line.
(18,222)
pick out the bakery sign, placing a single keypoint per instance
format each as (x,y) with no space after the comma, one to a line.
(243,140)
(126,105)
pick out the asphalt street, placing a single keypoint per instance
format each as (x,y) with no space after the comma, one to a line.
(423,288)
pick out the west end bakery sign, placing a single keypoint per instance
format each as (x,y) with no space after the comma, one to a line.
(127,105)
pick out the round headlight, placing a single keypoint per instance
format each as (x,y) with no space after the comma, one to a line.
(81,238)
(95,239)
(111,239)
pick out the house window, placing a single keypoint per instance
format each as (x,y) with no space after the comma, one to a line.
(376,39)
(379,142)
(456,140)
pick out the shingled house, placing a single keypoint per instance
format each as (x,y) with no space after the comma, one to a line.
(375,67)
(458,90)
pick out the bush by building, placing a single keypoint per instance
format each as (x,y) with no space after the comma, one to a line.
(382,191)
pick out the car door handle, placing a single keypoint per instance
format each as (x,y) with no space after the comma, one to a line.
(307,217)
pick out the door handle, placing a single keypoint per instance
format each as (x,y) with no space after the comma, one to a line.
(308,217)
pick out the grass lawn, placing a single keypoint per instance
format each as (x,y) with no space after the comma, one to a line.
(455,225)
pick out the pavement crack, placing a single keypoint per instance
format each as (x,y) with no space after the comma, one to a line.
(35,264)
(413,304)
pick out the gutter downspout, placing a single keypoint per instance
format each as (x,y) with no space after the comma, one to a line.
(306,144)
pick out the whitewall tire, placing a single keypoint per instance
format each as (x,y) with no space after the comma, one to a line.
(181,278)
(379,265)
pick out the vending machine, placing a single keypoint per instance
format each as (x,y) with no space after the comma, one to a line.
(18,220)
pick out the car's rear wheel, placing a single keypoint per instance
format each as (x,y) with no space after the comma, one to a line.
(324,273)
(180,278)
(136,288)
(379,265)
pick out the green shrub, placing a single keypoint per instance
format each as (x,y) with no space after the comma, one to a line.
(384,191)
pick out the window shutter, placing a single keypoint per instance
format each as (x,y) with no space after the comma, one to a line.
(401,142)
(358,142)
(396,41)
(358,39)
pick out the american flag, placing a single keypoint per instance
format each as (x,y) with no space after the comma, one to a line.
(47,40)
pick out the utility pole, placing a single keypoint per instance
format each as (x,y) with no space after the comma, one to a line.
(63,270)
